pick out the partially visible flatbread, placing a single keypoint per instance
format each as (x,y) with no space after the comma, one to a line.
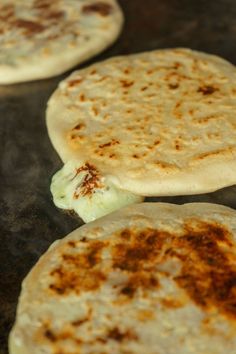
(44,38)
(155,123)
(150,278)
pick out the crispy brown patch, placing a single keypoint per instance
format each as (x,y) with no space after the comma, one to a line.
(207,273)
(207,90)
(119,336)
(173,86)
(136,255)
(91,181)
(100,7)
(30,27)
(78,273)
(126,83)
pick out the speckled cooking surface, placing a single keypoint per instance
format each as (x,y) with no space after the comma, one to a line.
(29,222)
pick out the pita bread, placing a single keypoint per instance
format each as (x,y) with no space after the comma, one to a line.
(155,123)
(44,38)
(151,278)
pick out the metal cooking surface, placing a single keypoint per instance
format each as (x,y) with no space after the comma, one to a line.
(29,221)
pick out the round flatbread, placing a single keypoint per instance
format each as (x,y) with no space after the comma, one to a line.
(150,278)
(156,123)
(44,38)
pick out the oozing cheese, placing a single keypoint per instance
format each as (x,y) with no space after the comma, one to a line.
(84,190)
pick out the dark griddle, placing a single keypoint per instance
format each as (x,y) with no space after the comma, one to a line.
(29,221)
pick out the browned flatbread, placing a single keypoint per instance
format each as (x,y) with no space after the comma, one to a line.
(150,278)
(155,123)
(43,38)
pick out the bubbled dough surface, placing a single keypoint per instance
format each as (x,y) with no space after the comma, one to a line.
(156,123)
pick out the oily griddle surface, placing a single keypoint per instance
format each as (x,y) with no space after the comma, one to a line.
(29,222)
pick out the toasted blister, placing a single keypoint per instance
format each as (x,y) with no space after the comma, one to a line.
(158,123)
(44,38)
(150,278)
(80,187)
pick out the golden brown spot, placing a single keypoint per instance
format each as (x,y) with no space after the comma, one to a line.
(50,335)
(126,83)
(119,336)
(110,143)
(79,126)
(82,97)
(74,82)
(207,90)
(79,272)
(31,27)
(7,12)
(54,15)
(100,7)
(93,72)
(215,153)
(126,71)
(173,86)
(171,303)
(95,110)
(72,244)
(144,88)
(78,323)
(135,156)
(145,315)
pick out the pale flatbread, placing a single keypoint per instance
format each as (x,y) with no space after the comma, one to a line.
(150,278)
(156,123)
(44,38)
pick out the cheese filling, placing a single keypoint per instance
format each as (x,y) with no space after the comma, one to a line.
(84,190)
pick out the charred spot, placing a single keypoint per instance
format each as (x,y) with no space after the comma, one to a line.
(128,291)
(144,88)
(31,27)
(50,335)
(72,244)
(173,86)
(109,143)
(82,97)
(135,156)
(54,15)
(119,336)
(126,83)
(125,234)
(100,7)
(79,126)
(83,239)
(207,90)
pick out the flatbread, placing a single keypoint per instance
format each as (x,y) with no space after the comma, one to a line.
(44,38)
(151,278)
(155,123)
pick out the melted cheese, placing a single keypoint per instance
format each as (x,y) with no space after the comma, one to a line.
(84,190)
